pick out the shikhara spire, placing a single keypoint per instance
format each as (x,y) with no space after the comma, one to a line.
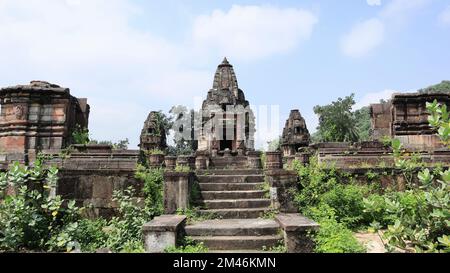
(225,78)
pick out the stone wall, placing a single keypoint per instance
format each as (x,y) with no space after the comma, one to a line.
(360,155)
(91,178)
(405,117)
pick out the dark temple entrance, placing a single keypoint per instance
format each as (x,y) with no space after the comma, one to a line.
(226,144)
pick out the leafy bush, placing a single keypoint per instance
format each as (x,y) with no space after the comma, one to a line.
(333,237)
(34,218)
(80,136)
(126,229)
(421,215)
(348,203)
(153,188)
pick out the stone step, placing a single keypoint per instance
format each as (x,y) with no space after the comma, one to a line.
(230,186)
(232,203)
(236,213)
(239,242)
(230,172)
(230,178)
(217,195)
(234,227)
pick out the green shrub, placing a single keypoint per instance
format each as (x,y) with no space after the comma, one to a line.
(348,203)
(126,228)
(80,136)
(153,188)
(332,237)
(34,218)
(90,234)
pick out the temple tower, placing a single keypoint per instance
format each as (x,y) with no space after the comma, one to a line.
(227,120)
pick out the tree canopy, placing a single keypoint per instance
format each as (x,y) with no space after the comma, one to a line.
(338,123)
(443,87)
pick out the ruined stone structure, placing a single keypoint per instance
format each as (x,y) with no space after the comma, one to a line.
(153,135)
(405,117)
(295,134)
(227,120)
(38,117)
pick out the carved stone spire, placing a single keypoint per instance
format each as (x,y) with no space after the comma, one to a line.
(225,78)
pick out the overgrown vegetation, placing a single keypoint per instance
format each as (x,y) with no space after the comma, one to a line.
(33,218)
(80,135)
(443,87)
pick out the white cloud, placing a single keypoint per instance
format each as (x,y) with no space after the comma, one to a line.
(374,2)
(444,17)
(252,32)
(363,38)
(373,98)
(125,72)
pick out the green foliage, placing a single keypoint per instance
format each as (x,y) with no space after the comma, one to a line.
(348,203)
(184,129)
(279,248)
(443,87)
(263,160)
(90,234)
(363,123)
(121,145)
(34,218)
(440,120)
(80,136)
(126,228)
(188,245)
(417,219)
(182,169)
(153,188)
(337,123)
(333,237)
(155,152)
(422,215)
(274,145)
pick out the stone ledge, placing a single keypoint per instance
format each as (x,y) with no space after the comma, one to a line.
(296,223)
(178,174)
(165,223)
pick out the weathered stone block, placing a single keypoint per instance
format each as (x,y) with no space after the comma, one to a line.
(296,229)
(283,185)
(163,232)
(177,187)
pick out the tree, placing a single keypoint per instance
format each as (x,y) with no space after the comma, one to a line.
(274,145)
(443,87)
(363,123)
(337,122)
(184,129)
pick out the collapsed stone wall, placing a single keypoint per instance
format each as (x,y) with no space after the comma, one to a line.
(91,177)
(405,117)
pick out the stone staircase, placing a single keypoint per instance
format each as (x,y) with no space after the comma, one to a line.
(236,197)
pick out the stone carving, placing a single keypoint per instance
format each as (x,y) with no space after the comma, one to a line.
(227,120)
(153,135)
(39,103)
(295,134)
(405,117)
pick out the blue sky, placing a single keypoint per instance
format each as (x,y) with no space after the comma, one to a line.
(131,57)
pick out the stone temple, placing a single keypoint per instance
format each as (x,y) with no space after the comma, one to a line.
(227,120)
(295,134)
(226,179)
(39,117)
